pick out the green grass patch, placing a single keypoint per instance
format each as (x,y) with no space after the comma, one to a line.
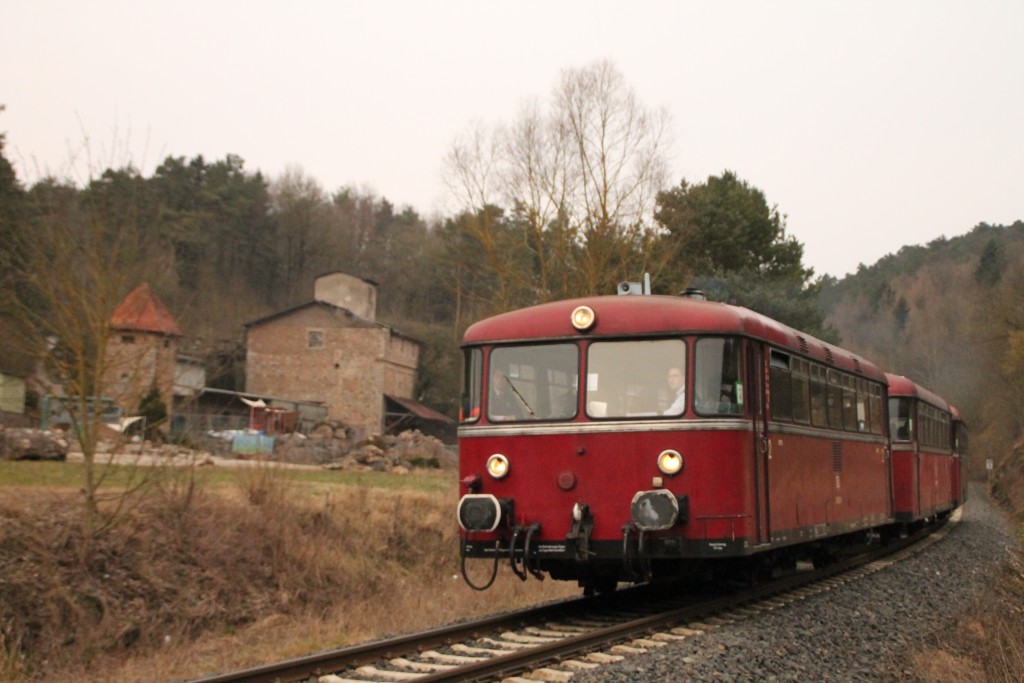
(27,473)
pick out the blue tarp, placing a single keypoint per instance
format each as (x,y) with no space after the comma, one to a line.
(252,443)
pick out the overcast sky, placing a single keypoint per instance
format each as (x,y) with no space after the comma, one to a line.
(871,125)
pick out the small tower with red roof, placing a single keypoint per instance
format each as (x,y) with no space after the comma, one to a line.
(141,350)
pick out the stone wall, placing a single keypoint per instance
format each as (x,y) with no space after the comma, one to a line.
(325,354)
(135,362)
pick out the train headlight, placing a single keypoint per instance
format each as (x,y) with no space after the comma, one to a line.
(583,318)
(654,510)
(497,466)
(670,462)
(479,512)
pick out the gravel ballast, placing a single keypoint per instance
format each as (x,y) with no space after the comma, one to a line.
(860,631)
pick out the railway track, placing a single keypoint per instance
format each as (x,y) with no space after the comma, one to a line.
(554,641)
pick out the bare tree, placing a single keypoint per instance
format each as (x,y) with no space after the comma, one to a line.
(580,179)
(302,212)
(619,165)
(70,261)
(473,169)
(537,183)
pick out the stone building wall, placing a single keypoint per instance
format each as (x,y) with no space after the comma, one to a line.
(137,360)
(326,354)
(400,363)
(347,291)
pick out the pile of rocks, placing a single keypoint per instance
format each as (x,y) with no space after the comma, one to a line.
(18,443)
(334,447)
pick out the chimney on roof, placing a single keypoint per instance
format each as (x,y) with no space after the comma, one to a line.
(347,291)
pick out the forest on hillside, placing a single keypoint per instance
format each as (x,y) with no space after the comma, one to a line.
(950,315)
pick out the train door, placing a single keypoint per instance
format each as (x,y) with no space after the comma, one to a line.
(757,384)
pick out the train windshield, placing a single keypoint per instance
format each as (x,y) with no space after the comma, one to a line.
(636,378)
(537,382)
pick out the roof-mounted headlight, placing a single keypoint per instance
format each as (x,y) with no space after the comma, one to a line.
(583,318)
(497,466)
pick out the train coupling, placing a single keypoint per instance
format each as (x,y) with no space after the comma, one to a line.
(580,531)
(521,561)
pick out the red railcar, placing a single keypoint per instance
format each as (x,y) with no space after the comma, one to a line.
(629,437)
(925,470)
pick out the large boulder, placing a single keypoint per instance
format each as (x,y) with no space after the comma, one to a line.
(32,444)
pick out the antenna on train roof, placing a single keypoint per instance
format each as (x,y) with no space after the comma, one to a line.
(635,288)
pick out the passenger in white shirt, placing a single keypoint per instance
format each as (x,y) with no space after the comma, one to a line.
(677,383)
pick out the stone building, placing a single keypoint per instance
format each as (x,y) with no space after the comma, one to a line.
(332,350)
(141,351)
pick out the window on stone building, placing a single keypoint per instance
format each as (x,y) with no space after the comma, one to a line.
(315,339)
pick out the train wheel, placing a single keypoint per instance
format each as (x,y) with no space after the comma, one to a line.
(822,557)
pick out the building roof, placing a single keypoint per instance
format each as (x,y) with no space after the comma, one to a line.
(353,319)
(418,409)
(141,311)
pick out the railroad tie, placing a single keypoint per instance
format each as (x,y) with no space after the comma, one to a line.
(382,674)
(422,667)
(452,659)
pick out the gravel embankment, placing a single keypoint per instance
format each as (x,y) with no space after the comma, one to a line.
(857,632)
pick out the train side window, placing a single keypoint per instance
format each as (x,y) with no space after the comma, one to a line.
(835,400)
(901,424)
(717,387)
(863,417)
(472,381)
(819,396)
(801,391)
(849,404)
(875,408)
(924,415)
(781,386)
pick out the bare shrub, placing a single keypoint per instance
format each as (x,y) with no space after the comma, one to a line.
(198,579)
(265,483)
(12,659)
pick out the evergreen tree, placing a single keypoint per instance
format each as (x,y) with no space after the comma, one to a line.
(153,408)
(991,264)
(726,239)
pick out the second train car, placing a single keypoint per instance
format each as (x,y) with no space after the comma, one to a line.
(927,436)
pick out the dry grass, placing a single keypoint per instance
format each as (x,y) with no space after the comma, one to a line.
(197,581)
(986,643)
